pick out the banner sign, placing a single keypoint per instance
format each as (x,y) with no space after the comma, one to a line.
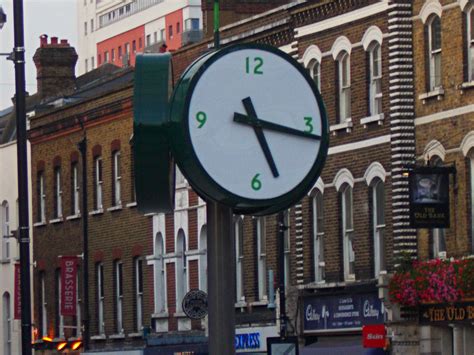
(17,305)
(429,197)
(68,285)
(374,336)
(444,313)
(341,312)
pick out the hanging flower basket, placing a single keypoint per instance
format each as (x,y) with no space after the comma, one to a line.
(434,281)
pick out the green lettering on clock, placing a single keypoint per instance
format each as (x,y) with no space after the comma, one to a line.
(309,124)
(256,183)
(201,117)
(258,61)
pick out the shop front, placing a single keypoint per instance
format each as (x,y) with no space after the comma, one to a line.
(333,323)
(253,340)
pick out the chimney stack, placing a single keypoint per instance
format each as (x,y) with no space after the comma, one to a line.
(55,67)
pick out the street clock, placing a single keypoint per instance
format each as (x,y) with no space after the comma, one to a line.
(249,128)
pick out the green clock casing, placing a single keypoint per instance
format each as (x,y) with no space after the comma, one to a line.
(249,128)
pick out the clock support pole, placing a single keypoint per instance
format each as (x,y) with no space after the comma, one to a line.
(221,274)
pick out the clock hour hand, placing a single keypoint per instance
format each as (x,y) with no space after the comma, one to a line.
(240,118)
(260,136)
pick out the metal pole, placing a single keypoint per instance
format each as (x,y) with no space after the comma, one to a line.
(221,273)
(85,242)
(281,271)
(22,156)
(216,24)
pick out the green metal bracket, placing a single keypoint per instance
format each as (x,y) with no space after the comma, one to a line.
(153,163)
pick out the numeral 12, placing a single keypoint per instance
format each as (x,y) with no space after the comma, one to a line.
(257,69)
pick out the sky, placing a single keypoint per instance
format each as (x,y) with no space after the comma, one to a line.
(51,17)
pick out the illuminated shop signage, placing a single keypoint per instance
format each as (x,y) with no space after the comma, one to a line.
(323,313)
(447,313)
(247,341)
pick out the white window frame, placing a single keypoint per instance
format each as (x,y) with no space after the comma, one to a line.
(287,247)
(348,232)
(78,309)
(378,209)
(117,178)
(318,237)
(42,198)
(181,267)
(239,259)
(344,87)
(118,270)
(58,193)
(61,317)
(139,293)
(44,310)
(435,79)
(203,258)
(471,166)
(262,259)
(7,324)
(5,229)
(75,189)
(160,275)
(315,72)
(100,298)
(98,181)
(470,42)
(375,94)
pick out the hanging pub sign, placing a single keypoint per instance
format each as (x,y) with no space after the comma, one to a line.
(68,285)
(446,313)
(429,197)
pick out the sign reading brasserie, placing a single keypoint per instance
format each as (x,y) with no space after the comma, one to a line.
(323,313)
(447,313)
(429,197)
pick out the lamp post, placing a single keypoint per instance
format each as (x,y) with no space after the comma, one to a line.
(18,58)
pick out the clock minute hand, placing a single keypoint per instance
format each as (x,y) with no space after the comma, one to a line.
(260,136)
(240,118)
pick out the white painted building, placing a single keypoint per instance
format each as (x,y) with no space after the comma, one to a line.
(116,21)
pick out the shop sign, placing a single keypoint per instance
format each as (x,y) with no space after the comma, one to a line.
(429,197)
(374,336)
(195,304)
(341,312)
(68,285)
(447,313)
(247,341)
(253,339)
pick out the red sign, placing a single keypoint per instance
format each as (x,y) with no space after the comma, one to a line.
(374,336)
(17,305)
(68,285)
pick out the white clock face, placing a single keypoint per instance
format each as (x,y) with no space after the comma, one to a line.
(255,124)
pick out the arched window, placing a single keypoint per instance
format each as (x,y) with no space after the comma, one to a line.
(239,259)
(203,258)
(118,290)
(59,316)
(433,40)
(262,259)
(315,72)
(378,217)
(40,197)
(286,249)
(100,297)
(42,305)
(471,175)
(347,233)
(181,267)
(5,229)
(138,280)
(7,325)
(318,236)
(116,179)
(344,86)
(160,287)
(58,193)
(375,85)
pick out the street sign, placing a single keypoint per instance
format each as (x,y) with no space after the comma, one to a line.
(195,304)
(249,128)
(279,346)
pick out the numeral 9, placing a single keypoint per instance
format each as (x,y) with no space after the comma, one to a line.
(201,117)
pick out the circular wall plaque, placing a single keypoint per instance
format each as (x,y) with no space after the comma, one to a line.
(195,304)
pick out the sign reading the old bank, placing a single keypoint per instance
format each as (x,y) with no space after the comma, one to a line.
(447,313)
(342,312)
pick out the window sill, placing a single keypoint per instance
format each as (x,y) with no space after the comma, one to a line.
(96,212)
(114,208)
(466,86)
(151,214)
(73,217)
(131,205)
(436,93)
(371,119)
(240,304)
(56,220)
(259,303)
(180,315)
(344,126)
(161,315)
(350,278)
(39,224)
(135,335)
(117,336)
(99,337)
(5,261)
